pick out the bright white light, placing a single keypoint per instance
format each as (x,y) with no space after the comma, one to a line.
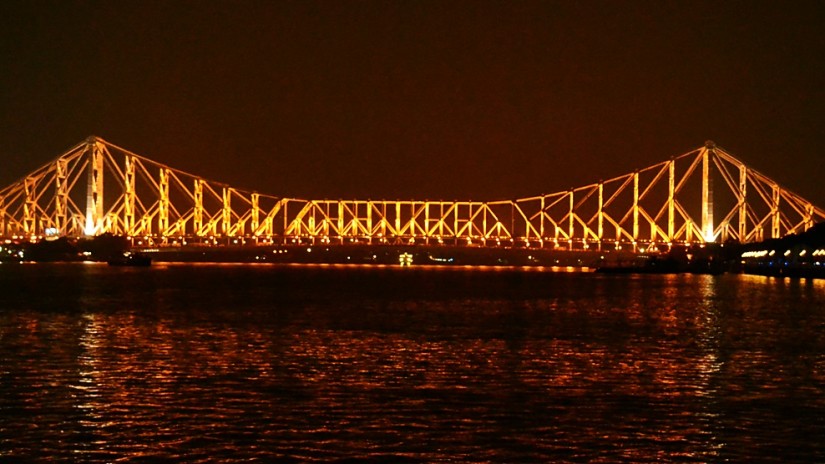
(708,235)
(755,254)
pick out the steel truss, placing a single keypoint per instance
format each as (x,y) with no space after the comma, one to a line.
(705,195)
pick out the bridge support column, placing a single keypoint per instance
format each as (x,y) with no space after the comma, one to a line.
(484,224)
(30,206)
(743,206)
(340,222)
(397,220)
(600,214)
(427,222)
(226,216)
(570,223)
(197,217)
(256,214)
(94,188)
(635,208)
(541,219)
(707,194)
(286,221)
(61,196)
(163,203)
(129,196)
(369,222)
(671,202)
(776,218)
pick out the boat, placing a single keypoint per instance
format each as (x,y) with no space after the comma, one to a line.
(131,259)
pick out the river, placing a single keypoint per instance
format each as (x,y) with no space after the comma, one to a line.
(312,363)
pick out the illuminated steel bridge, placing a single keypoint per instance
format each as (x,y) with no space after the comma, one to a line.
(705,195)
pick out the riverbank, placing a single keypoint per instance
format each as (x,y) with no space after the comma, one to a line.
(793,256)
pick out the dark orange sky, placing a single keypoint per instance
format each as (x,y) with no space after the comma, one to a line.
(416,99)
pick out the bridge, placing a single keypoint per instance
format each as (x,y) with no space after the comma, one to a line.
(703,196)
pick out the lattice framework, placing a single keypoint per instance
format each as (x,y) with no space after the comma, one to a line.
(705,195)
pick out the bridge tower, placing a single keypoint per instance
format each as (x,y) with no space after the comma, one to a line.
(707,192)
(94,187)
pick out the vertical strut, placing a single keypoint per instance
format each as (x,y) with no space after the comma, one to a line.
(256,213)
(775,216)
(163,202)
(441,220)
(635,207)
(743,206)
(600,214)
(397,218)
(541,219)
(61,195)
(427,222)
(570,222)
(94,188)
(30,206)
(671,202)
(513,221)
(484,221)
(286,219)
(340,219)
(707,194)
(455,221)
(129,196)
(197,219)
(227,211)
(369,221)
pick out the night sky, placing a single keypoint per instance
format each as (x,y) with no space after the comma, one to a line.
(470,100)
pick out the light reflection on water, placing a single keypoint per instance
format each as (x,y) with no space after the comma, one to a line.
(228,363)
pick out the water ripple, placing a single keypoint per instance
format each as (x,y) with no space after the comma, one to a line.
(315,366)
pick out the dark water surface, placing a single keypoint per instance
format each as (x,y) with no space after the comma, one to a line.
(244,363)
